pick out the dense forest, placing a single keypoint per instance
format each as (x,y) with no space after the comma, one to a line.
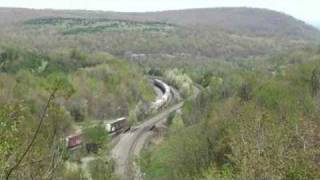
(256,115)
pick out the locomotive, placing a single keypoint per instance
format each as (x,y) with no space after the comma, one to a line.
(117,126)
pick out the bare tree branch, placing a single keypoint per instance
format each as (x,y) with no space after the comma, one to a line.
(42,117)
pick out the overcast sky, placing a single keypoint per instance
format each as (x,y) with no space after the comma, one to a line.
(307,10)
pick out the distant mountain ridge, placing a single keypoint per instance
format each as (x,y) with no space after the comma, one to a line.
(246,20)
(210,32)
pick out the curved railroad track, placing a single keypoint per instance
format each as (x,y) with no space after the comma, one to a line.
(123,152)
(131,142)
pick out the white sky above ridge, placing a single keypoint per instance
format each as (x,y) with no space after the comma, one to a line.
(306,10)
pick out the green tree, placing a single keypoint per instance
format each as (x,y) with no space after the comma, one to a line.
(315,82)
(97,135)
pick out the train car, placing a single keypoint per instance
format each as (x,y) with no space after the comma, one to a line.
(117,126)
(74,140)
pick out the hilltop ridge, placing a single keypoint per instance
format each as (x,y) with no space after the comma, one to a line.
(210,33)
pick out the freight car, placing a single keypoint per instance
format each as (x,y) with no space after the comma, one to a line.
(74,140)
(162,101)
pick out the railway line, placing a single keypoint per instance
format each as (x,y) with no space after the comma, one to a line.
(128,144)
(123,152)
(117,126)
(127,141)
(131,142)
(120,130)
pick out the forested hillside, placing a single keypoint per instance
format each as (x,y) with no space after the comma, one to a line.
(255,122)
(249,21)
(55,94)
(224,33)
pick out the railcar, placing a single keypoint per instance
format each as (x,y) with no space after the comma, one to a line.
(117,126)
(164,98)
(74,140)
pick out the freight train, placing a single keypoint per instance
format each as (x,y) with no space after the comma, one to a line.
(121,124)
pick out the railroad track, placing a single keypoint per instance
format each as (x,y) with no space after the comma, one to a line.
(123,151)
(128,147)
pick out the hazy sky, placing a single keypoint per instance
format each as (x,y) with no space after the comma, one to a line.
(307,10)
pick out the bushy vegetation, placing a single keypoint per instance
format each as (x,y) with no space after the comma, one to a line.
(96,135)
(101,170)
(248,124)
(180,80)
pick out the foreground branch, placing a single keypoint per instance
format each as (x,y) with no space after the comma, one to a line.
(42,117)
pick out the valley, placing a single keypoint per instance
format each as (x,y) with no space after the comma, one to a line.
(211,93)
